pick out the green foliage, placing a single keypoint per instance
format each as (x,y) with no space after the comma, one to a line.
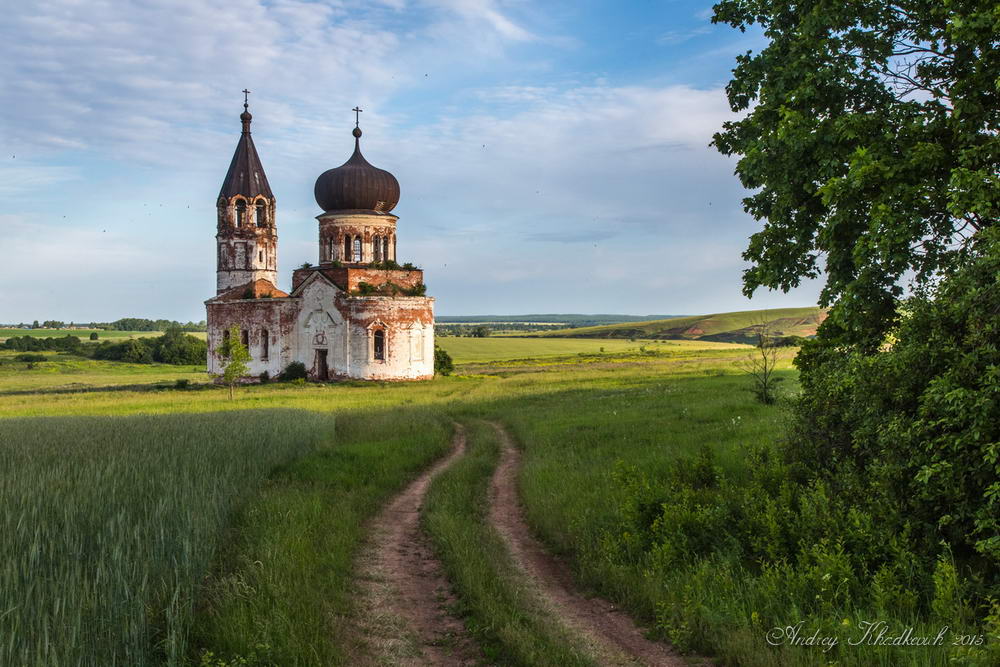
(420,289)
(235,359)
(916,424)
(66,343)
(871,141)
(443,365)
(110,525)
(173,347)
(294,371)
(481,332)
(365,288)
(93,335)
(182,383)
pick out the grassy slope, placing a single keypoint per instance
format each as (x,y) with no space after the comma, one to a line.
(729,327)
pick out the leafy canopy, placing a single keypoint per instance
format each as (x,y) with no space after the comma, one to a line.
(870,143)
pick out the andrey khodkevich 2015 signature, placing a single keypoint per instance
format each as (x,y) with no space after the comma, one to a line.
(869,633)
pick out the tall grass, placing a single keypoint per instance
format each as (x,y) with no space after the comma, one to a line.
(108,525)
(284,585)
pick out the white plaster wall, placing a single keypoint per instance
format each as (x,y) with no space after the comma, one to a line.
(320,326)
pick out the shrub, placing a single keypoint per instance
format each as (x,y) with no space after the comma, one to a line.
(913,426)
(93,335)
(265,377)
(31,357)
(294,371)
(419,289)
(443,365)
(182,383)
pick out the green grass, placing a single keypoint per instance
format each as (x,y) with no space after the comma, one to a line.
(479,350)
(731,327)
(82,334)
(68,372)
(110,524)
(279,594)
(587,423)
(499,607)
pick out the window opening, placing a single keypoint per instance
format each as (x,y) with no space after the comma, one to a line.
(261,214)
(380,345)
(265,344)
(357,248)
(241,211)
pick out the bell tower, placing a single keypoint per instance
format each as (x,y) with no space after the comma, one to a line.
(247,238)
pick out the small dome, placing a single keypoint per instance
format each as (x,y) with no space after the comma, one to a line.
(356,184)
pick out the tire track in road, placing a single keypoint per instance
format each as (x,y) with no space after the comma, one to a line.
(405,595)
(610,634)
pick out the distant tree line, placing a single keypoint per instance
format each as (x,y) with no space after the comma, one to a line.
(173,347)
(479,331)
(123,324)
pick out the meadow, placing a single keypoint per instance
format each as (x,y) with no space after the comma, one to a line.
(82,334)
(284,477)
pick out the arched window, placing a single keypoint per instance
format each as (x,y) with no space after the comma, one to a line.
(261,214)
(385,248)
(357,248)
(265,344)
(379,345)
(377,249)
(241,212)
(347,248)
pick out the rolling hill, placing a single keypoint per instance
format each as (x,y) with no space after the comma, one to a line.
(738,327)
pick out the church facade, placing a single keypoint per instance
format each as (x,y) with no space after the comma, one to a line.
(356,314)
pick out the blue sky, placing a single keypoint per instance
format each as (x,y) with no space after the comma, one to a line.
(553,156)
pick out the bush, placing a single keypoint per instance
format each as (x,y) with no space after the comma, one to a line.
(419,289)
(182,383)
(294,371)
(173,347)
(265,377)
(93,335)
(31,357)
(443,365)
(913,427)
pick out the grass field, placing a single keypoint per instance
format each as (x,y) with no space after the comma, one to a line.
(723,327)
(472,350)
(271,545)
(82,334)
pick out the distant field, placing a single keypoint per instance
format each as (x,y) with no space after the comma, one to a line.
(80,333)
(479,350)
(84,334)
(736,327)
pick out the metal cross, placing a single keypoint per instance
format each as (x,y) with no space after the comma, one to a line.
(357,116)
(246,97)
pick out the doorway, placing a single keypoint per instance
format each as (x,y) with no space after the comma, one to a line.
(322,372)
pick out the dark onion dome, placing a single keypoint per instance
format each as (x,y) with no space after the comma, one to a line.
(357,185)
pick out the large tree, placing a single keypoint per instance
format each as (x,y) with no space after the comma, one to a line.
(870,143)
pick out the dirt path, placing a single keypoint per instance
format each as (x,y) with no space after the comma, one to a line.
(403,615)
(609,633)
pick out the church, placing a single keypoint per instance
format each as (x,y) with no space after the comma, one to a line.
(356,314)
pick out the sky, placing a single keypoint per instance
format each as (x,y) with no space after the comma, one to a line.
(553,156)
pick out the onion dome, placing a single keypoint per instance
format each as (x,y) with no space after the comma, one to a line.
(357,185)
